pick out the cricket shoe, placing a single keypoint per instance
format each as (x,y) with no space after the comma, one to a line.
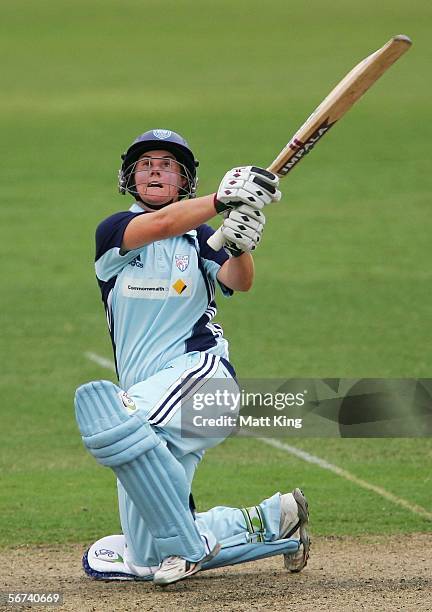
(294,523)
(173,569)
(105,560)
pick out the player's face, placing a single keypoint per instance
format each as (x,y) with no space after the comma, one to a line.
(158,177)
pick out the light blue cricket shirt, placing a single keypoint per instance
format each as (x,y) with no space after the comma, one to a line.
(159,299)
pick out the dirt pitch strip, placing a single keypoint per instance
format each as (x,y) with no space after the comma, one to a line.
(368,573)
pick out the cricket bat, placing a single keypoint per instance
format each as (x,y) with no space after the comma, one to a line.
(332,108)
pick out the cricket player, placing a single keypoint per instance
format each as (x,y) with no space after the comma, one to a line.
(158,279)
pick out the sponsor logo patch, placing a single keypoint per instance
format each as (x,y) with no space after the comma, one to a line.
(179,286)
(127,402)
(156,289)
(110,556)
(150,289)
(137,262)
(303,148)
(182,262)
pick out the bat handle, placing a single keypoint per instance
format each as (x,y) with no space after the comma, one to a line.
(216,240)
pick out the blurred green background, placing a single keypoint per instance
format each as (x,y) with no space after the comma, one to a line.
(343,278)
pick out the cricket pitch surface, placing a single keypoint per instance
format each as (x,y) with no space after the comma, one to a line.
(364,573)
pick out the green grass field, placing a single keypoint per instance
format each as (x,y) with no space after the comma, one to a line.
(343,278)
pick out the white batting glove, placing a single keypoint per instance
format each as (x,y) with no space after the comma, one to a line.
(247,185)
(243,229)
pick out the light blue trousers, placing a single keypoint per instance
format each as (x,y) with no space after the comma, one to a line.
(244,534)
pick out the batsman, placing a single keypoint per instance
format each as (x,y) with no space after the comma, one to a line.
(158,278)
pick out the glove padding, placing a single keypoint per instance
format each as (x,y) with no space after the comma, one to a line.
(247,185)
(243,230)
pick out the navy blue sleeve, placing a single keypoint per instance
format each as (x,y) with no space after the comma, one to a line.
(212,260)
(109,233)
(203,234)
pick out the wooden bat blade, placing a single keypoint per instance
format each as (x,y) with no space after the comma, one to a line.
(332,108)
(338,102)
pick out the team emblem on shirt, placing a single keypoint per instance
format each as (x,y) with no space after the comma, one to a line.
(182,262)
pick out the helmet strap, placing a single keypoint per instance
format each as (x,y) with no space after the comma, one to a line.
(151,207)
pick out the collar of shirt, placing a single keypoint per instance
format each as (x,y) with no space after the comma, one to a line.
(136,208)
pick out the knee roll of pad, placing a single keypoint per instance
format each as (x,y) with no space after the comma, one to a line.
(151,476)
(109,432)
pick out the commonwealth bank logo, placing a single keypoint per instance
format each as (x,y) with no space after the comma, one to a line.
(179,286)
